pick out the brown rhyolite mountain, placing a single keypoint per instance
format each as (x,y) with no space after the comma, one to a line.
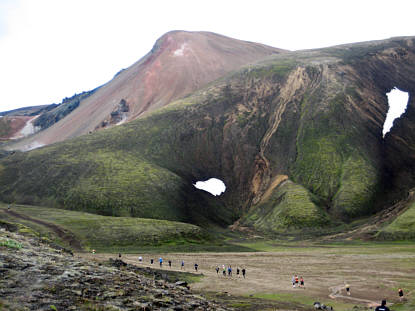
(179,63)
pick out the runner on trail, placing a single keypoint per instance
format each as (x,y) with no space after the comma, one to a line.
(302,282)
(196,266)
(170,263)
(382,307)
(347,287)
(151,261)
(230,271)
(161,261)
(400,293)
(217,270)
(223,270)
(243,272)
(293,281)
(237,272)
(182,265)
(296,280)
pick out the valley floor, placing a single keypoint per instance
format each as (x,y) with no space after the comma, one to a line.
(372,271)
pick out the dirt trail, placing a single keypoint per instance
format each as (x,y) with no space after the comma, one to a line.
(336,293)
(60,232)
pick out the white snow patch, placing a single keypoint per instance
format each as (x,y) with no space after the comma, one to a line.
(398,101)
(214,186)
(179,52)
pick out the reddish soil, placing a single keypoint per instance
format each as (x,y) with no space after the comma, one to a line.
(16,124)
(180,63)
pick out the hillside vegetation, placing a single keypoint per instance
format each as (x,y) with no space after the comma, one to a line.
(103,233)
(313,116)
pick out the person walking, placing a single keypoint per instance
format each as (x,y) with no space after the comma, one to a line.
(161,262)
(382,307)
(196,266)
(400,293)
(243,272)
(237,272)
(217,270)
(151,261)
(182,265)
(302,282)
(347,287)
(230,271)
(170,263)
(293,281)
(223,270)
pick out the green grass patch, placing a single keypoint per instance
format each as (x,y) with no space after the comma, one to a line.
(118,234)
(402,228)
(290,207)
(114,234)
(10,243)
(339,247)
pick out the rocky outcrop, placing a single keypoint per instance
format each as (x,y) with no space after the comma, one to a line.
(34,276)
(118,116)
(50,117)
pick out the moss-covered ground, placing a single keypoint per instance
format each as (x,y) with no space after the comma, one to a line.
(402,227)
(116,234)
(106,233)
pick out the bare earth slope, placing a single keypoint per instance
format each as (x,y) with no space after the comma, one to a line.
(179,63)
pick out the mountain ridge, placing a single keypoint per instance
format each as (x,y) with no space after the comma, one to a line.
(179,63)
(296,138)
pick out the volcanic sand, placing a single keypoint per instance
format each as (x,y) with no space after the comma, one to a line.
(371,276)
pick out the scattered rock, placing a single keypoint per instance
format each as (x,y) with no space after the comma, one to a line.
(38,276)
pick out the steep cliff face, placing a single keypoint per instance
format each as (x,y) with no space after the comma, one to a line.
(297,140)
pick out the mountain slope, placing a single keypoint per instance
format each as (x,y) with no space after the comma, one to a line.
(179,63)
(298,134)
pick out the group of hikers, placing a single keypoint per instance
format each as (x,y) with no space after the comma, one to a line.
(297,281)
(228,271)
(160,260)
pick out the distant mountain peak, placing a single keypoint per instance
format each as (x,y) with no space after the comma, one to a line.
(179,63)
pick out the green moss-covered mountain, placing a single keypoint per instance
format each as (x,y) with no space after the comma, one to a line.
(297,139)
